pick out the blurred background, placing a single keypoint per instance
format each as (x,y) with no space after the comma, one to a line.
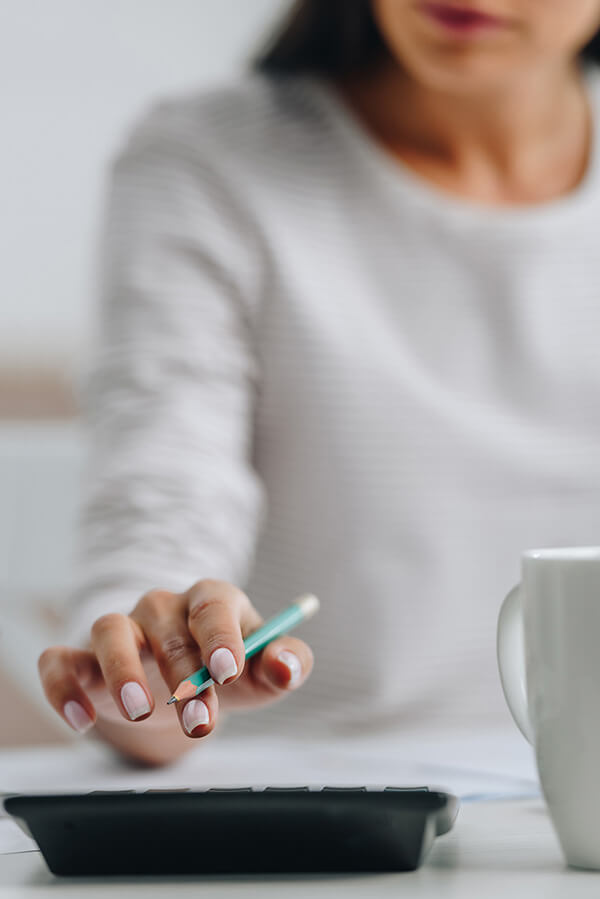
(74,75)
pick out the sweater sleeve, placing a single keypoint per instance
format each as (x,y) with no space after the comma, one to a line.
(171,495)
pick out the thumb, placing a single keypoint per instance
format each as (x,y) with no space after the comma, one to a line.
(282,665)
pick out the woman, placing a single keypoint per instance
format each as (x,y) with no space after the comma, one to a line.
(350,346)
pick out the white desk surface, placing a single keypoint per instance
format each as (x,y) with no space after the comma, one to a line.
(502,848)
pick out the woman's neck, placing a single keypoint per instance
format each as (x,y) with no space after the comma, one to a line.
(525,143)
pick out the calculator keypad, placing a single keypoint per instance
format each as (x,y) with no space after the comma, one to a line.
(281,789)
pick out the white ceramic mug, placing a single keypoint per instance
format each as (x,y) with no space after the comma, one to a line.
(549,660)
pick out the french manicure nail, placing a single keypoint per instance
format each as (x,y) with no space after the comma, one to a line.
(195,712)
(222,665)
(77,716)
(292,663)
(135,700)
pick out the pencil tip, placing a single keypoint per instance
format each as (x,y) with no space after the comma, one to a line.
(171,700)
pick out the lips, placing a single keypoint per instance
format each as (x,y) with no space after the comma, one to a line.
(460,18)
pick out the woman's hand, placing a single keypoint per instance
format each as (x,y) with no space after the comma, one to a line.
(135,662)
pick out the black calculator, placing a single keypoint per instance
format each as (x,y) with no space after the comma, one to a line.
(234,830)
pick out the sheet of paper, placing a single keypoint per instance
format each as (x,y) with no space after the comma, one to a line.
(13,839)
(461,763)
(488,765)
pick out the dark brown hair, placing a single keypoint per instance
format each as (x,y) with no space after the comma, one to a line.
(335,37)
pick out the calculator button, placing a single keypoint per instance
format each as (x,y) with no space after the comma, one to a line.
(344,790)
(110,792)
(230,790)
(287,790)
(169,790)
(406,789)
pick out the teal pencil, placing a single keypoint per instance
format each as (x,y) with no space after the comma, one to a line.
(302,608)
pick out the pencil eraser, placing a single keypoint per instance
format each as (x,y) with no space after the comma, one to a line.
(309,604)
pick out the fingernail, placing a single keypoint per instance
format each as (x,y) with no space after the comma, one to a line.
(135,700)
(195,712)
(222,665)
(77,716)
(292,663)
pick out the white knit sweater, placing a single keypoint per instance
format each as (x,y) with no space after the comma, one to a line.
(318,372)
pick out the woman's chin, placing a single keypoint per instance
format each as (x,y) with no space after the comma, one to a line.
(464,76)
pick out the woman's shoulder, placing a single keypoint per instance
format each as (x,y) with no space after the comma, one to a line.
(239,123)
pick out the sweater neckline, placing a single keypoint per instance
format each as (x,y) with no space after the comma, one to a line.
(399,178)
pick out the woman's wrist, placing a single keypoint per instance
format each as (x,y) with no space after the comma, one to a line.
(150,742)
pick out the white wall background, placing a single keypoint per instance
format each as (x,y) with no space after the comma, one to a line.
(73,75)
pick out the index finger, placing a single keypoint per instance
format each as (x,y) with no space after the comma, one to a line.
(218,614)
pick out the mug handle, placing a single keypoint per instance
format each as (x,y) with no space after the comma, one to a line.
(510,649)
